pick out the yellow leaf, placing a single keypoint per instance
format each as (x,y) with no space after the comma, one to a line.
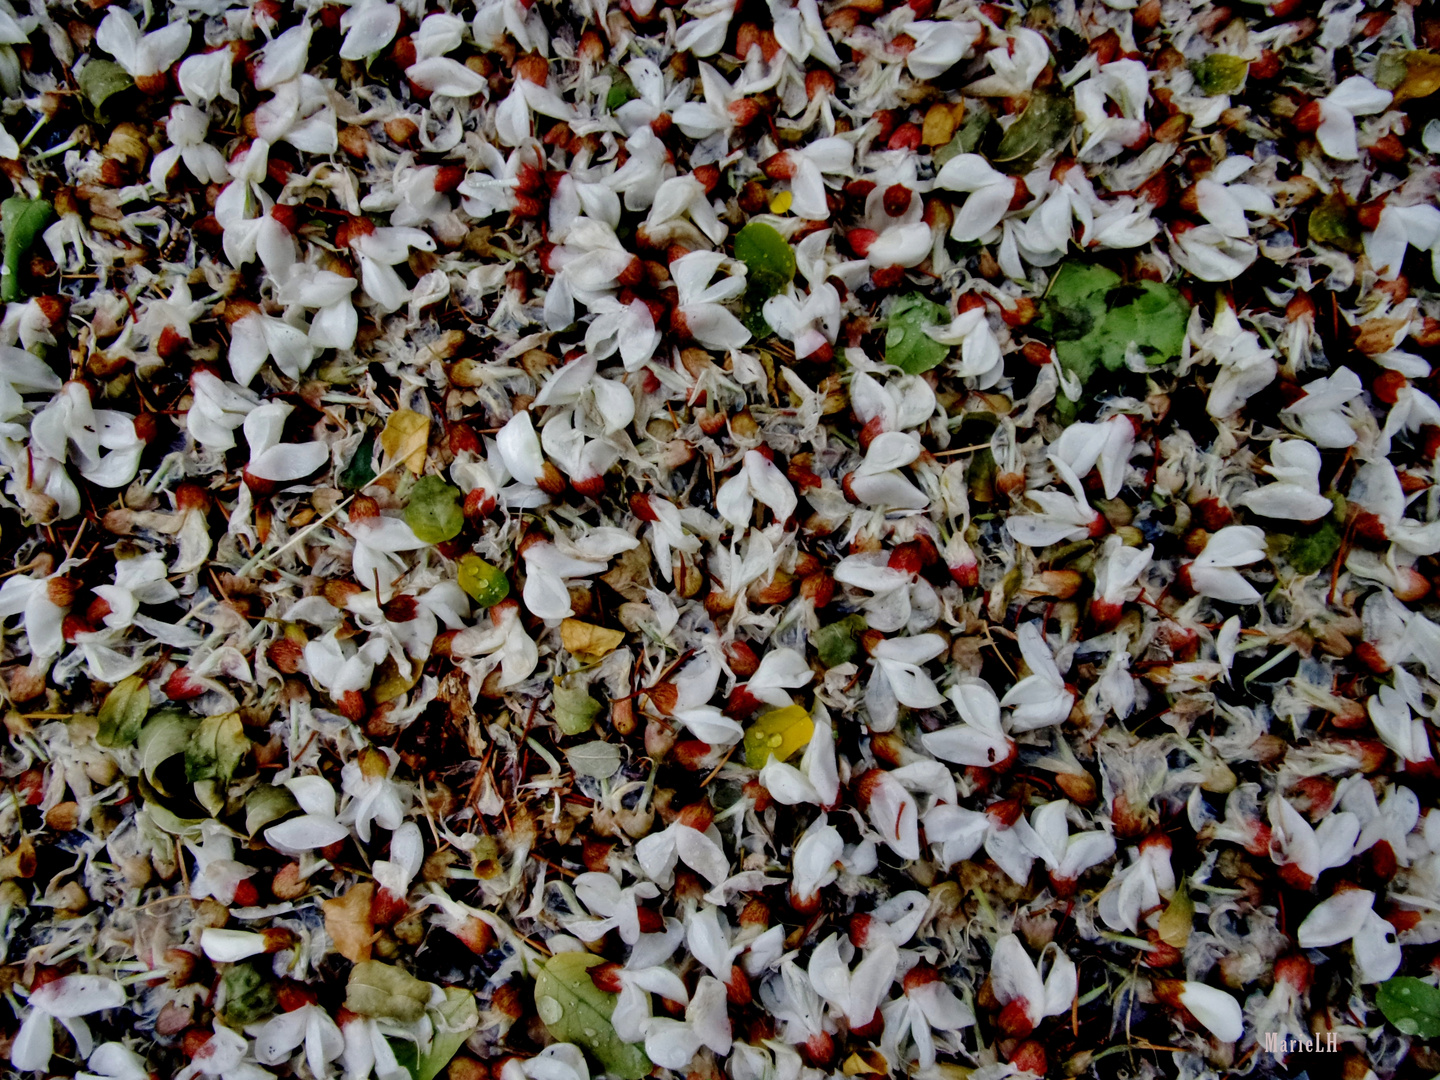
(780,732)
(347,921)
(781,202)
(405,438)
(586,639)
(1422,76)
(389,684)
(1175,923)
(855,1065)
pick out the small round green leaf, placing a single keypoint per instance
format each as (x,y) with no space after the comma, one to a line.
(767,257)
(435,511)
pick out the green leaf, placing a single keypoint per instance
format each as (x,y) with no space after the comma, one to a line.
(907,346)
(1411,1005)
(485,584)
(1047,121)
(249,995)
(216,749)
(123,712)
(435,511)
(575,709)
(768,259)
(1333,222)
(100,81)
(1096,319)
(453,1023)
(1220,74)
(266,804)
(1312,551)
(21,220)
(621,90)
(387,992)
(598,759)
(836,643)
(573,1009)
(166,734)
(360,472)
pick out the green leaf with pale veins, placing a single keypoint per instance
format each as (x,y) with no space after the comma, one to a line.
(1220,74)
(575,1010)
(434,511)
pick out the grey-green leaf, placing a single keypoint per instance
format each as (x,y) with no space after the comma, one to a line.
(166,734)
(21,220)
(1047,121)
(575,709)
(1411,1005)
(123,712)
(597,759)
(100,81)
(266,804)
(573,1009)
(216,749)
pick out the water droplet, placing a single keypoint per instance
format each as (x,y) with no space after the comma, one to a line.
(776,740)
(589,1033)
(550,1010)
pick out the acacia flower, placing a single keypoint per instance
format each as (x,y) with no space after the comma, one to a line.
(927,1006)
(899,679)
(369,26)
(1213,573)
(374,794)
(146,57)
(1296,465)
(1026,997)
(858,994)
(979,739)
(1041,698)
(548,566)
(186,130)
(1349,915)
(990,195)
(760,479)
(660,851)
(69,1000)
(317,827)
(1137,891)
(1336,113)
(878,481)
(1321,415)
(698,311)
(309,1026)
(816,780)
(1302,851)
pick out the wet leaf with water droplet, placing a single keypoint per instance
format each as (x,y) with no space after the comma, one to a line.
(575,1010)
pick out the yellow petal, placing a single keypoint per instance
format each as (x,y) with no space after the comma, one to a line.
(781,202)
